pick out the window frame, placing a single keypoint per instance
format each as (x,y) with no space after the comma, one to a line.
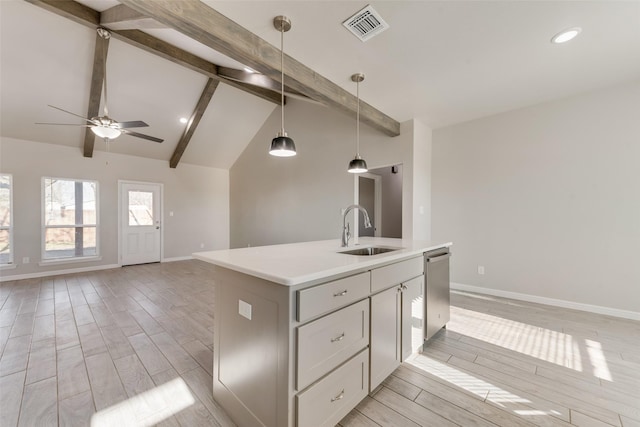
(43,232)
(12,251)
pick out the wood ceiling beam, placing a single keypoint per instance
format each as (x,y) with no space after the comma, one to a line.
(194,121)
(91,18)
(254,79)
(95,92)
(201,23)
(121,17)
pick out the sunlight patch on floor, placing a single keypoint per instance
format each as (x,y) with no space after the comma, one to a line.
(542,343)
(463,380)
(481,388)
(598,360)
(148,408)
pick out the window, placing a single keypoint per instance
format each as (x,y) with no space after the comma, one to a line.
(6,230)
(140,208)
(70,219)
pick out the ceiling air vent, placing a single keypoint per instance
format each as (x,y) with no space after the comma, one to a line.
(366,24)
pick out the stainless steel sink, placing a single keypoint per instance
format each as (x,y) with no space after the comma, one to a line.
(370,250)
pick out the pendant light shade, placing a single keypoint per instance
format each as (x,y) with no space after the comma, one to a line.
(357,165)
(282,145)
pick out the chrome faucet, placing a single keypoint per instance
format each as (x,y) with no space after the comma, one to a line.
(346,233)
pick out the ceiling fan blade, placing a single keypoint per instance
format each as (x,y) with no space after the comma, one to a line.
(65,124)
(74,114)
(132,124)
(140,135)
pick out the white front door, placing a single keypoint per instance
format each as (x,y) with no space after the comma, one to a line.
(140,221)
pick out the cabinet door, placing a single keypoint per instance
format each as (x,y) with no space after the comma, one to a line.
(385,334)
(412,316)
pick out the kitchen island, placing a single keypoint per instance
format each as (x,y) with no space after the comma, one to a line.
(303,332)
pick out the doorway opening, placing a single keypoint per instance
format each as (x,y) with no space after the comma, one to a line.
(380,193)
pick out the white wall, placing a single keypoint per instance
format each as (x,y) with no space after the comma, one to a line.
(198,197)
(422,147)
(281,200)
(547,198)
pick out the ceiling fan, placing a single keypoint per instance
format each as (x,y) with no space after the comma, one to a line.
(104,126)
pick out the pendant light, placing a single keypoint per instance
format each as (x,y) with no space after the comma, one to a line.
(282,145)
(357,165)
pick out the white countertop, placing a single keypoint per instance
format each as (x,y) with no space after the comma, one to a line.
(296,263)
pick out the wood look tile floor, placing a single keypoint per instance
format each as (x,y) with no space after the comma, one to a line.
(134,346)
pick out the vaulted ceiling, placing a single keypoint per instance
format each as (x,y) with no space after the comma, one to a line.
(442,62)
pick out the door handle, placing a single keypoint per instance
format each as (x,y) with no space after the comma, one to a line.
(157,227)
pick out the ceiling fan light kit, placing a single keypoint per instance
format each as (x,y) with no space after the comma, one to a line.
(104,126)
(358,164)
(282,145)
(106,132)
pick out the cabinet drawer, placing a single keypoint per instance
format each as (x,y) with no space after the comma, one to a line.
(328,401)
(385,277)
(327,297)
(327,342)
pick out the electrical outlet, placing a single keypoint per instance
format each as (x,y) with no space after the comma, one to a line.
(481,269)
(201,245)
(170,213)
(26,260)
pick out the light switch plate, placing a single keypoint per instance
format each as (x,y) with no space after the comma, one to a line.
(244,309)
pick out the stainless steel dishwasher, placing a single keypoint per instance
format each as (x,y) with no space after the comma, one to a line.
(436,294)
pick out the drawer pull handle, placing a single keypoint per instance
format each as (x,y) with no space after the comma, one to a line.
(340,294)
(336,339)
(338,397)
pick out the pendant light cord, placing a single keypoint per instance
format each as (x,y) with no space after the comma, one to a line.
(282,74)
(358,120)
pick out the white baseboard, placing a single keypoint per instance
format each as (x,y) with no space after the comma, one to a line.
(177,258)
(57,272)
(625,314)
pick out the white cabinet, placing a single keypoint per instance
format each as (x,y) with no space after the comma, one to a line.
(412,316)
(327,342)
(385,334)
(326,402)
(396,318)
(307,354)
(394,274)
(330,296)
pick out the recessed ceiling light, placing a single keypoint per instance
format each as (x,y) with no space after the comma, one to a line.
(566,35)
(183,120)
